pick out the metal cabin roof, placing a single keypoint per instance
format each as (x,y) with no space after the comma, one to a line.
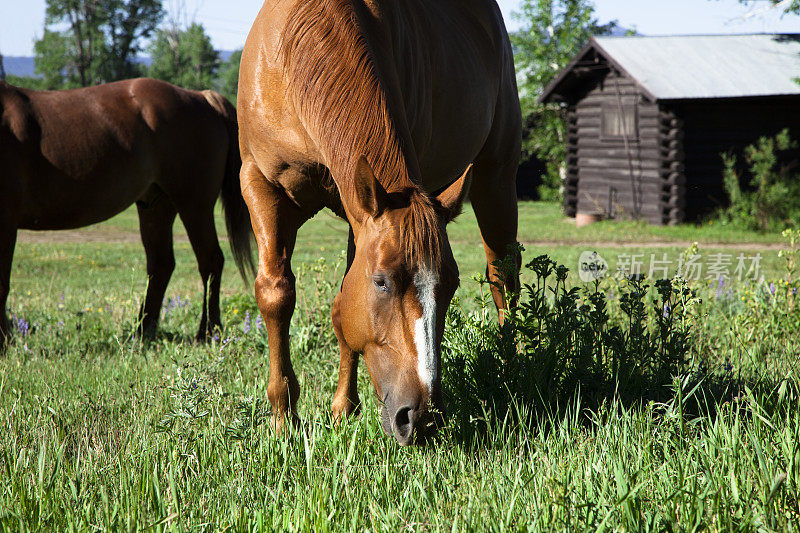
(698,66)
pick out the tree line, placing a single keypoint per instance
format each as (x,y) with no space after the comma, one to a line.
(89,42)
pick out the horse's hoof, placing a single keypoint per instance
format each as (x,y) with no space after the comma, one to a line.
(283,423)
(345,408)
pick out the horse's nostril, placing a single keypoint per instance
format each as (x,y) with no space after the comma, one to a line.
(404,424)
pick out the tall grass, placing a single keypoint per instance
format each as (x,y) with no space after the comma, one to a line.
(620,405)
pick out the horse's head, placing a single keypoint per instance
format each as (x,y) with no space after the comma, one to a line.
(395,295)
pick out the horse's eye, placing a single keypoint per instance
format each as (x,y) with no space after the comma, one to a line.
(380,283)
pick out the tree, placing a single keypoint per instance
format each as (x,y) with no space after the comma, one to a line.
(184,57)
(787,6)
(2,68)
(99,43)
(127,23)
(553,31)
(228,79)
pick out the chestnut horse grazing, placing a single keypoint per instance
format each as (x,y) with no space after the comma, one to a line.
(73,158)
(388,113)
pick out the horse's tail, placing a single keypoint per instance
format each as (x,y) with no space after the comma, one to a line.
(237,216)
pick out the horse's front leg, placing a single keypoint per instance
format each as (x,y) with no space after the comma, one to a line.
(275,220)
(345,400)
(8,238)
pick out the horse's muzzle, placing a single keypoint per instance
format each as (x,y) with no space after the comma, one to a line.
(408,424)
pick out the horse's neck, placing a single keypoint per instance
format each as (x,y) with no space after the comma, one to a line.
(393,54)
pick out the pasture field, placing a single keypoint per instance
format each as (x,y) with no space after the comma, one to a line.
(566,428)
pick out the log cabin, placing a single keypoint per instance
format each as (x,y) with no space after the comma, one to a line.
(649,117)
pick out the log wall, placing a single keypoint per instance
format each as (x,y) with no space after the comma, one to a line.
(713,127)
(618,177)
(672,171)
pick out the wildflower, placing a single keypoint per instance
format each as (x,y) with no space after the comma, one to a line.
(215,337)
(247,322)
(22,326)
(259,323)
(728,367)
(772,288)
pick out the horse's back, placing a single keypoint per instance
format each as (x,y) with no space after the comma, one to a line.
(451,63)
(84,155)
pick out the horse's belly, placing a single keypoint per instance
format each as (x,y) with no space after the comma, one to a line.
(69,204)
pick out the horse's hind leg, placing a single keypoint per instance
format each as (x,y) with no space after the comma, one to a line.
(199,223)
(8,238)
(156,217)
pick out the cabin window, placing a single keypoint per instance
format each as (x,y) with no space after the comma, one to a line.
(619,122)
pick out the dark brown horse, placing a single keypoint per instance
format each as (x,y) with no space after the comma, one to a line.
(376,110)
(73,158)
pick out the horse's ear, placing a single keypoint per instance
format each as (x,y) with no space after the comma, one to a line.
(370,195)
(453,196)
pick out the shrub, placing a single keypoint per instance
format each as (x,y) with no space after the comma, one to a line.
(557,342)
(771,198)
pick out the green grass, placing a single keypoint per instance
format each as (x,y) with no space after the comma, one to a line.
(101,432)
(538,221)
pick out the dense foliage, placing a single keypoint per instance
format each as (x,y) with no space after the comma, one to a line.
(558,343)
(87,42)
(184,57)
(769,198)
(228,77)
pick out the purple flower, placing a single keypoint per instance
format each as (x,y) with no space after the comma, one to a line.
(247,322)
(259,323)
(728,367)
(721,286)
(215,338)
(175,303)
(667,310)
(22,326)
(772,288)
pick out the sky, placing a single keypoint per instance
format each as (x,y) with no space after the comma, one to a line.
(228,21)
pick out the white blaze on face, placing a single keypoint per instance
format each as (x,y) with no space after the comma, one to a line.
(425,328)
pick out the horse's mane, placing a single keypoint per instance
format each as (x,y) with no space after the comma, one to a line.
(421,230)
(335,85)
